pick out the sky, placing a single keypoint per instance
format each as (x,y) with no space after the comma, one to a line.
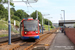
(52,7)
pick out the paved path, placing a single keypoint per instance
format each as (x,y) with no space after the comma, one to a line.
(61,42)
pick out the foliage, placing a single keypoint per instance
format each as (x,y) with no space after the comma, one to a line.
(17,23)
(46,22)
(3,25)
(21,14)
(13,9)
(3,12)
(12,21)
(46,27)
(16,18)
(12,12)
(52,27)
(39,16)
(6,2)
(74,25)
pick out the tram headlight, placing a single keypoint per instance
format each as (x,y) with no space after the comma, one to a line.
(36,32)
(25,32)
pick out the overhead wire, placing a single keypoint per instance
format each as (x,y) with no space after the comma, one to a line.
(31,6)
(27,6)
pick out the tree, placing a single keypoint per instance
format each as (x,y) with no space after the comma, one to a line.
(21,14)
(46,22)
(39,16)
(12,11)
(6,2)
(3,12)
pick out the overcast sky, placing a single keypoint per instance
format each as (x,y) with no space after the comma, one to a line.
(52,7)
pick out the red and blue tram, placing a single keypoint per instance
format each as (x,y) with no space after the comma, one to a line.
(29,28)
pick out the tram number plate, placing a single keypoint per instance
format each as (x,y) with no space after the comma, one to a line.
(31,37)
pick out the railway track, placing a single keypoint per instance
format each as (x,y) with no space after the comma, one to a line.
(26,45)
(12,41)
(5,39)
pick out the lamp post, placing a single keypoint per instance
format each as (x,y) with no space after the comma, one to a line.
(64,16)
(61,16)
(64,21)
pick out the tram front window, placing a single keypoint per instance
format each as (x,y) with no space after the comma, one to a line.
(31,25)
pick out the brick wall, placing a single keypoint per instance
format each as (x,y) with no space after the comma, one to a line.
(70,32)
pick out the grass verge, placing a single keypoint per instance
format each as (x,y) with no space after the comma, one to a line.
(3,35)
(46,27)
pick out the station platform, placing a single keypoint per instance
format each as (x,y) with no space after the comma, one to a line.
(61,42)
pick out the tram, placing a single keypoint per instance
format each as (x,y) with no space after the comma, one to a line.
(29,28)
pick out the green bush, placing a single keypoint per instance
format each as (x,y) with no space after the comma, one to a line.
(12,21)
(15,18)
(0,17)
(46,27)
(52,27)
(3,25)
(17,23)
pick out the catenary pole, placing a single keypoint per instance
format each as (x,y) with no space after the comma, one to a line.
(37,15)
(42,24)
(9,23)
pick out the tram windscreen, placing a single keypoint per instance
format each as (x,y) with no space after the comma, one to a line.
(31,25)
